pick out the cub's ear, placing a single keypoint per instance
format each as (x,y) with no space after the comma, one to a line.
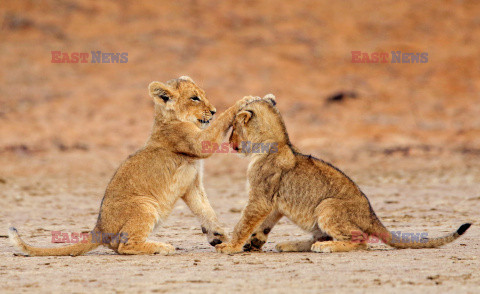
(270,98)
(244,116)
(186,78)
(159,92)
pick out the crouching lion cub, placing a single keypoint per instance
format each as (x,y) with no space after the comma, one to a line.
(313,194)
(145,187)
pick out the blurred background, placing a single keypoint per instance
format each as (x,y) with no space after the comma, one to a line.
(84,118)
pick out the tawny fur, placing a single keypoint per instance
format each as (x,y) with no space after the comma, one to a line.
(145,187)
(315,195)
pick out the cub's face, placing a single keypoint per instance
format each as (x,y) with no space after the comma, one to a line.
(239,135)
(256,123)
(185,99)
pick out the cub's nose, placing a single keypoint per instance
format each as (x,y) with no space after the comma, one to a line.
(213,112)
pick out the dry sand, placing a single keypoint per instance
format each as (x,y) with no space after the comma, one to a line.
(431,200)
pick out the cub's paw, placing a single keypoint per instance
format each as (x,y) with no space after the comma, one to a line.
(216,236)
(228,248)
(164,249)
(322,247)
(250,99)
(257,240)
(246,100)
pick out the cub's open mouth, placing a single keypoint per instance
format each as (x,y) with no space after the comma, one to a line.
(204,121)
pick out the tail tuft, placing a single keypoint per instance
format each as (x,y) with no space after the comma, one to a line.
(15,239)
(13,229)
(463,228)
(380,230)
(13,235)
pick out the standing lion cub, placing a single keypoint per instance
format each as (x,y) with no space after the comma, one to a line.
(145,187)
(315,195)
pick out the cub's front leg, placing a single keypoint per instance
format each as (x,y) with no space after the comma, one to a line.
(260,235)
(255,212)
(196,199)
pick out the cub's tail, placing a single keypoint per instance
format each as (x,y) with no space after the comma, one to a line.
(72,250)
(380,231)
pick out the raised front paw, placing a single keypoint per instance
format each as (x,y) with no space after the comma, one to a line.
(250,99)
(246,100)
(228,248)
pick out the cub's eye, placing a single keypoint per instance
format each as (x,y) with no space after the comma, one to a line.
(195,98)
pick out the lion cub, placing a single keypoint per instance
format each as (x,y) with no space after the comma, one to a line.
(144,189)
(313,194)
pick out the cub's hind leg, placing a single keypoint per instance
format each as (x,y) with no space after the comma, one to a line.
(135,233)
(334,218)
(295,246)
(337,246)
(302,245)
(260,235)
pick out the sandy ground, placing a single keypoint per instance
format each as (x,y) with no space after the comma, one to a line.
(410,138)
(418,199)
